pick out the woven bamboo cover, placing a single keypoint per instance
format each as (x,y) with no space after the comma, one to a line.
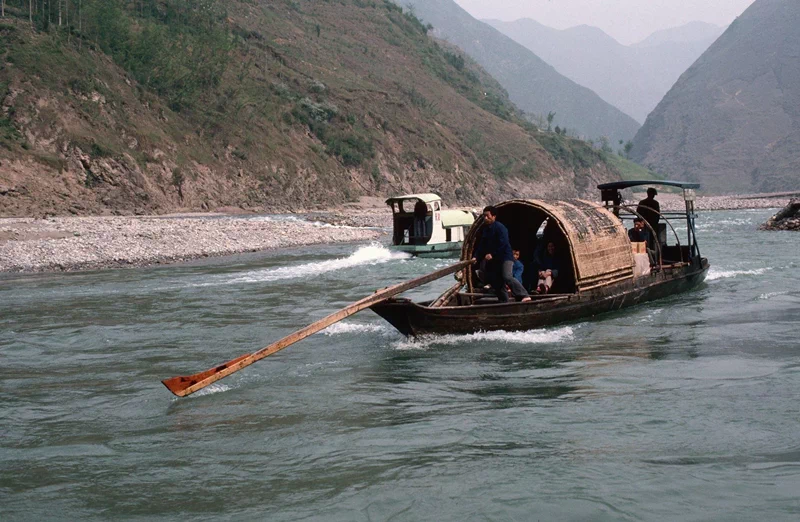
(599,245)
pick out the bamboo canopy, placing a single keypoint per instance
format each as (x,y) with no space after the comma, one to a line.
(598,241)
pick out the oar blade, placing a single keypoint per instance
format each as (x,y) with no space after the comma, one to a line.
(185,384)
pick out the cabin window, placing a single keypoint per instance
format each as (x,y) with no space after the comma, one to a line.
(448,234)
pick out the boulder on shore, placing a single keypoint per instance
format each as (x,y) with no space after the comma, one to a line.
(786,219)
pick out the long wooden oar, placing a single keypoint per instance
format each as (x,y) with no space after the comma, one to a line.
(186,385)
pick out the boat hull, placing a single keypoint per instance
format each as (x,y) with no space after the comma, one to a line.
(436,250)
(414,319)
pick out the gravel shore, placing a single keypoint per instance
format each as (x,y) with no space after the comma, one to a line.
(87,243)
(674,202)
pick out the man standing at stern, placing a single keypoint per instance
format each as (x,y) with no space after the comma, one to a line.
(650,210)
(496,258)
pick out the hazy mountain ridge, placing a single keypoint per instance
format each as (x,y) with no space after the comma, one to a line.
(532,84)
(307,103)
(632,78)
(732,121)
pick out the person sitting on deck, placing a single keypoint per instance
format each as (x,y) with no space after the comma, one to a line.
(518,268)
(497,260)
(640,234)
(548,265)
(419,233)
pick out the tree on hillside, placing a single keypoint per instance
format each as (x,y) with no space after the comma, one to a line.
(605,144)
(628,147)
(550,117)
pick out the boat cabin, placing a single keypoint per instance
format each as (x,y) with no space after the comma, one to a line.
(590,239)
(421,226)
(668,247)
(591,246)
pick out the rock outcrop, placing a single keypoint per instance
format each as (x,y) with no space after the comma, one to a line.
(786,219)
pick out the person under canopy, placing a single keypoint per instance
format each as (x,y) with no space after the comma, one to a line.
(497,259)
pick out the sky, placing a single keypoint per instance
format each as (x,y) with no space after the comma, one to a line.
(627,21)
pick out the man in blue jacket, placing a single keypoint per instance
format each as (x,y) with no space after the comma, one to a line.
(496,258)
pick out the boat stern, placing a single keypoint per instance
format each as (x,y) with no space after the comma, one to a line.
(396,312)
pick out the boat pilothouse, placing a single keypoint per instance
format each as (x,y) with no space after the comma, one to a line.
(667,251)
(422,227)
(600,268)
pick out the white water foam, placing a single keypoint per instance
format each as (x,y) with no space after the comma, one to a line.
(724,222)
(716,273)
(651,315)
(770,295)
(355,328)
(371,254)
(558,335)
(214,388)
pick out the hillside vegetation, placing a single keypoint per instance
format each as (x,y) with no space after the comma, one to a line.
(158,105)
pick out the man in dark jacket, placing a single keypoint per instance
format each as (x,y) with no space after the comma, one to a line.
(650,210)
(496,258)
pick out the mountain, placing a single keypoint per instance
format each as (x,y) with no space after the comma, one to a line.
(633,78)
(161,105)
(691,32)
(732,121)
(533,85)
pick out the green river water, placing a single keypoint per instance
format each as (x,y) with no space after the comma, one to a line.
(686,408)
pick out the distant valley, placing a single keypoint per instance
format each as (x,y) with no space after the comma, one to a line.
(732,120)
(633,78)
(532,84)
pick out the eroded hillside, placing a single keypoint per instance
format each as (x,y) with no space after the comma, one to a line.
(156,106)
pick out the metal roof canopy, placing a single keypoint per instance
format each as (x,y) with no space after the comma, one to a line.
(457,218)
(425,198)
(618,185)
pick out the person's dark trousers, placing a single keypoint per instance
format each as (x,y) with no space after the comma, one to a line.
(507,278)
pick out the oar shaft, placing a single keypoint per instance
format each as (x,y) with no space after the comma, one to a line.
(186,385)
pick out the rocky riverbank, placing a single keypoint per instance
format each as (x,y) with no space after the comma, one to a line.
(787,219)
(674,202)
(86,243)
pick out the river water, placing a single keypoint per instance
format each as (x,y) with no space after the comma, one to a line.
(682,409)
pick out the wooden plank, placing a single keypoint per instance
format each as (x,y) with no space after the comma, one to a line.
(188,384)
(447,296)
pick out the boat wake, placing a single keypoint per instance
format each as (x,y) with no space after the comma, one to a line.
(558,335)
(715,273)
(372,254)
(355,328)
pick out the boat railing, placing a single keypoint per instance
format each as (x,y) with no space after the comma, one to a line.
(655,233)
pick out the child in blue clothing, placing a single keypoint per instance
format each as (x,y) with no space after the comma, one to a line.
(518,267)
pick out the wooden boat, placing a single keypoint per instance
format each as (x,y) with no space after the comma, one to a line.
(600,272)
(421,227)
